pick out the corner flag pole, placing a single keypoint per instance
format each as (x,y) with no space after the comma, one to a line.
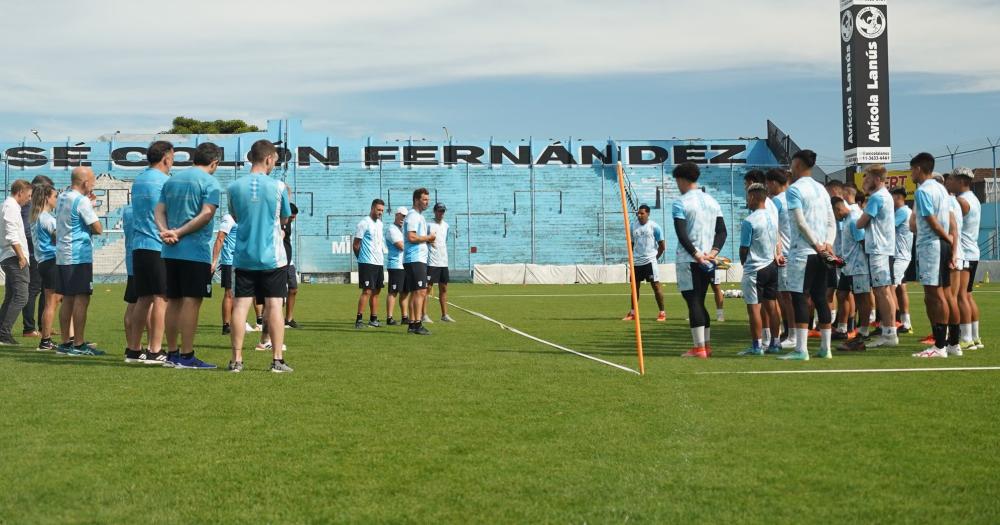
(631,270)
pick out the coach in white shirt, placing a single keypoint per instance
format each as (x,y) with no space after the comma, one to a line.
(13,259)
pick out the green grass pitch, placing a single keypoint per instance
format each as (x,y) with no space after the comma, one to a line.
(476,424)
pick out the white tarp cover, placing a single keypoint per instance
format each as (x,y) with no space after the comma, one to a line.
(498,274)
(549,274)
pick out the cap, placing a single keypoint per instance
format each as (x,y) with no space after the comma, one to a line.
(402,210)
(440,207)
(963,172)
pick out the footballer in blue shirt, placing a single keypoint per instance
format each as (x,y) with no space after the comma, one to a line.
(648,245)
(184,217)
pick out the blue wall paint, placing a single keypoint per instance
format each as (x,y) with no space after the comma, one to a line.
(547,214)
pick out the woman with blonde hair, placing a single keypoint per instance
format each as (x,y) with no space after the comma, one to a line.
(43,231)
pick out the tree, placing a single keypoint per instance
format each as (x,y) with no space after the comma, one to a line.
(190,126)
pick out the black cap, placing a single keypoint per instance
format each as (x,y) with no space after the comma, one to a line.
(440,207)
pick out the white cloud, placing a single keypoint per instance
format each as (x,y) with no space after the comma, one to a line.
(145,62)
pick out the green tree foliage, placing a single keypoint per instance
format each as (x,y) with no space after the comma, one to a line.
(190,126)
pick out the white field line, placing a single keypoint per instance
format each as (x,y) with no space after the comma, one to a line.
(911,292)
(544,342)
(858,371)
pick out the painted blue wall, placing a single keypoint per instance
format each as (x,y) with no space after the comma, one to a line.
(543,212)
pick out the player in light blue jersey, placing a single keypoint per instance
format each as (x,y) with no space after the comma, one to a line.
(369,243)
(648,245)
(701,233)
(222,260)
(961,179)
(752,177)
(43,236)
(149,275)
(904,254)
(76,222)
(777,187)
(813,229)
(394,266)
(856,274)
(416,237)
(260,204)
(758,250)
(879,224)
(936,255)
(184,216)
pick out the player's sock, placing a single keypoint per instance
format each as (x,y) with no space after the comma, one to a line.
(965,334)
(372,318)
(708,335)
(825,335)
(698,336)
(801,339)
(260,321)
(952,334)
(851,324)
(863,331)
(906,320)
(975,330)
(842,327)
(940,331)
(766,334)
(358,320)
(720,314)
(757,344)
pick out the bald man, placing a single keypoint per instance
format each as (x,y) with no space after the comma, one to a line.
(76,221)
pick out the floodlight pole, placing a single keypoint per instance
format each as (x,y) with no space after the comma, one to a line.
(631,270)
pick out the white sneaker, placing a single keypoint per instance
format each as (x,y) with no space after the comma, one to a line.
(932,352)
(447,319)
(250,328)
(788,344)
(884,340)
(426,319)
(266,347)
(954,350)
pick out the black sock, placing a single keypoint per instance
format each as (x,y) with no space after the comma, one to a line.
(939,331)
(953,334)
(850,324)
(260,321)
(174,352)
(187,356)
(225,325)
(359,318)
(373,318)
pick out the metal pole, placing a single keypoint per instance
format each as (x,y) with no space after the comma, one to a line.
(996,205)
(531,174)
(468,222)
(604,238)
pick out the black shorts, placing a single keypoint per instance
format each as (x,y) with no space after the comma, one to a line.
(944,268)
(75,279)
(416,276)
(397,280)
(767,282)
(831,277)
(293,281)
(226,276)
(262,284)
(188,278)
(647,273)
(49,275)
(370,277)
(149,273)
(973,266)
(846,283)
(130,295)
(437,275)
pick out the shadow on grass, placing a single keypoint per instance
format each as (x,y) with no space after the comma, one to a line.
(51,358)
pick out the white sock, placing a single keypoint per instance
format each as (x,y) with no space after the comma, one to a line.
(889,330)
(759,343)
(975,329)
(863,331)
(871,317)
(766,334)
(720,313)
(698,336)
(842,327)
(966,331)
(708,335)
(801,338)
(833,314)
(906,320)
(825,334)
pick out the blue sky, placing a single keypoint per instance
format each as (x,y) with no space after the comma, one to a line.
(636,69)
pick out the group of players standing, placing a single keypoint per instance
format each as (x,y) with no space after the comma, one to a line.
(168,254)
(812,254)
(413,253)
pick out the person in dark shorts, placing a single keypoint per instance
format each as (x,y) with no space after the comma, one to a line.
(148,273)
(416,237)
(368,243)
(222,259)
(293,281)
(184,216)
(260,204)
(43,234)
(76,222)
(648,245)
(394,265)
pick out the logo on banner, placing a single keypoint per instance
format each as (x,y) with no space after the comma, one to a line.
(871,22)
(846,26)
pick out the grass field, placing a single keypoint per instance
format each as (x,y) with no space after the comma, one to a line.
(476,424)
